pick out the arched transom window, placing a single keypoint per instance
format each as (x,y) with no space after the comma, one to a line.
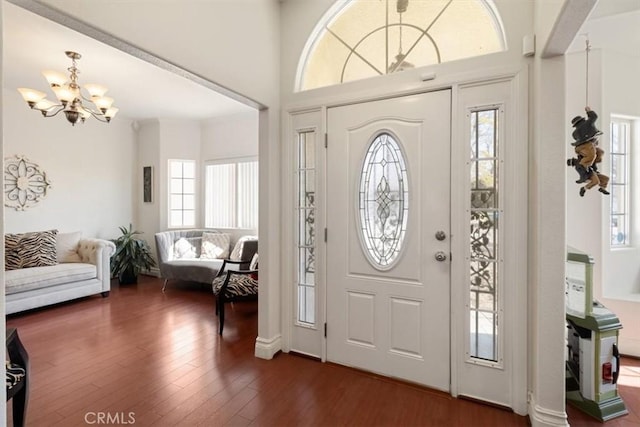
(357,39)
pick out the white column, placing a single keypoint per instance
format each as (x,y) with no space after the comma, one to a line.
(269,340)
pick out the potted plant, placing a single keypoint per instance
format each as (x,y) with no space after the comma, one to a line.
(132,256)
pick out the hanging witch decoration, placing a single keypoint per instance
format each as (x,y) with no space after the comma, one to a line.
(587,151)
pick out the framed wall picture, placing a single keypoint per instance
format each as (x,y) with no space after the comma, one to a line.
(147,184)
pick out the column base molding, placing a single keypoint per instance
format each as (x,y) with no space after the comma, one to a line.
(267,348)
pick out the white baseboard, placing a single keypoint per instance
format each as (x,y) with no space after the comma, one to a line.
(542,417)
(267,348)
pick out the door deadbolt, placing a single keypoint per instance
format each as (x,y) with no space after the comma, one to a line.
(441,235)
(440,256)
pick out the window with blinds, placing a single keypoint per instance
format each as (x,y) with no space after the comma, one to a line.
(231,193)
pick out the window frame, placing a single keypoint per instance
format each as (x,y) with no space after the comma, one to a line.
(170,177)
(335,12)
(626,181)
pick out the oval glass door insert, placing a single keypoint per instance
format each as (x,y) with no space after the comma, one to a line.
(383,203)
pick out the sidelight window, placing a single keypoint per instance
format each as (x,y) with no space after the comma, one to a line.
(306,207)
(484,240)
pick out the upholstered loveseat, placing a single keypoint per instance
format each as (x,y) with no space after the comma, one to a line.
(197,255)
(43,268)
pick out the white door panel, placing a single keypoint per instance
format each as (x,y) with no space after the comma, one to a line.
(393,318)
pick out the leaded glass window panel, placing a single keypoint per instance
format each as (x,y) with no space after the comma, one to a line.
(357,39)
(306,207)
(484,237)
(383,201)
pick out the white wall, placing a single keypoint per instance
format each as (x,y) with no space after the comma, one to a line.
(614,66)
(230,136)
(148,219)
(90,165)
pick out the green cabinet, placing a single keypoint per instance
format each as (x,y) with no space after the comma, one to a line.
(593,359)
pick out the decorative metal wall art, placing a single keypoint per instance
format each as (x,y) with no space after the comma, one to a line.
(25,183)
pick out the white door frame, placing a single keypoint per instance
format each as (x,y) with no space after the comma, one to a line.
(315,109)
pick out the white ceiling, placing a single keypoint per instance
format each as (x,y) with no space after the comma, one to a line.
(613,7)
(141,90)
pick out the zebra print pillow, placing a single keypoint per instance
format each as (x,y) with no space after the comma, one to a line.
(35,249)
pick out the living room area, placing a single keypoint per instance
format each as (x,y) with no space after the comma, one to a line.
(83,181)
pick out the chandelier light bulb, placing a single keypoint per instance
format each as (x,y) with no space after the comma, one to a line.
(111,112)
(31,96)
(63,93)
(84,114)
(54,78)
(103,103)
(95,89)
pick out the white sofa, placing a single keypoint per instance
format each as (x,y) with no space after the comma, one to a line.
(83,269)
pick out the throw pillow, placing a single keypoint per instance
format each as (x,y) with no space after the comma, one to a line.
(254,266)
(236,253)
(35,249)
(186,248)
(11,251)
(67,246)
(215,245)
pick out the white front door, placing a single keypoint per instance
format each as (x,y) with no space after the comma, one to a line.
(388,242)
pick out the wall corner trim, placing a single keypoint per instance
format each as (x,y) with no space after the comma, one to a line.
(543,417)
(266,348)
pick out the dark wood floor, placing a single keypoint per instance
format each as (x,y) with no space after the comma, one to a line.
(155,359)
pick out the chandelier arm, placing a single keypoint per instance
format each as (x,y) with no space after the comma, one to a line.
(92,111)
(98,116)
(84,98)
(45,112)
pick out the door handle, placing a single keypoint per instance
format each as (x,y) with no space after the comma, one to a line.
(440,256)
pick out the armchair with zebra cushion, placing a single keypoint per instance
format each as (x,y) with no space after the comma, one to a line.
(17,373)
(235,285)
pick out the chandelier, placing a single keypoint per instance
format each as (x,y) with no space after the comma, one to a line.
(70,96)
